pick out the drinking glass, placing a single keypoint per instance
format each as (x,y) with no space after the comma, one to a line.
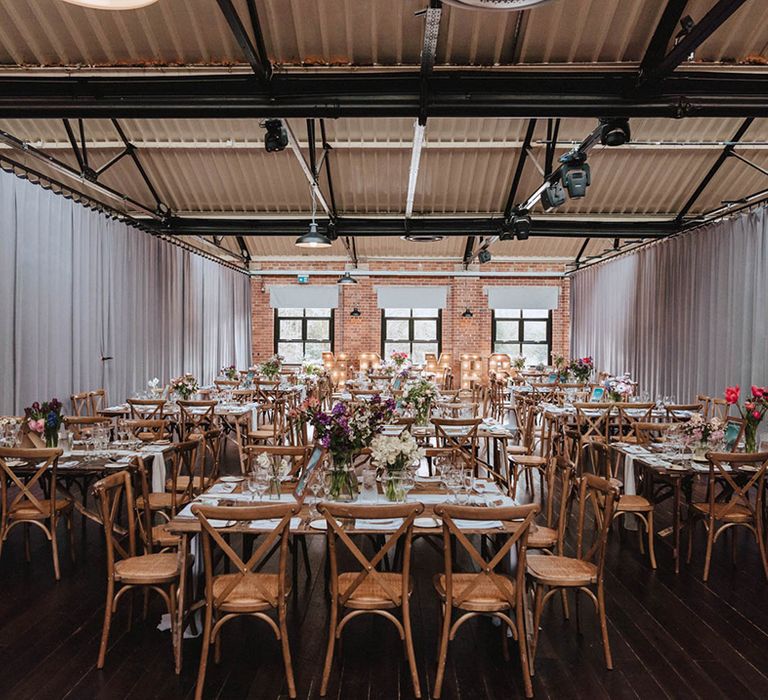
(252,484)
(369,492)
(408,482)
(479,487)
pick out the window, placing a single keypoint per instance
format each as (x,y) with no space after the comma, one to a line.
(526,332)
(415,331)
(303,334)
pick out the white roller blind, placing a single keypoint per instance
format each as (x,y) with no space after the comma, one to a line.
(303,296)
(522,297)
(396,297)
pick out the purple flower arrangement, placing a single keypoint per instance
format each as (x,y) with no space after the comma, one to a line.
(45,419)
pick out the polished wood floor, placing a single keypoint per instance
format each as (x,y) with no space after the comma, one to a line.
(672,636)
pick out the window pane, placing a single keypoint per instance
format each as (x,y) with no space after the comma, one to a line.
(317,313)
(292,352)
(290,312)
(318,329)
(535,331)
(511,349)
(397,330)
(535,313)
(397,313)
(425,313)
(389,348)
(535,354)
(507,331)
(420,349)
(507,313)
(425,330)
(314,351)
(290,330)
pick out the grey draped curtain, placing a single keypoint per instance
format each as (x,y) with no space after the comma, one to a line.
(76,286)
(683,316)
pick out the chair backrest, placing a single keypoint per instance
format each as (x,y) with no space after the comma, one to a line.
(81,405)
(681,412)
(706,404)
(751,469)
(148,430)
(243,396)
(564,482)
(211,455)
(601,495)
(601,459)
(630,414)
(46,461)
(147,409)
(214,539)
(460,433)
(652,432)
(456,409)
(78,424)
(182,460)
(195,417)
(719,408)
(224,384)
(593,420)
(297,456)
(521,517)
(97,400)
(368,568)
(110,493)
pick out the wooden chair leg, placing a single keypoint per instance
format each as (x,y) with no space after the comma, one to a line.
(409,651)
(443,653)
(334,621)
(651,538)
(710,543)
(604,628)
(522,644)
(204,653)
(564,602)
(172,612)
(27,552)
(691,527)
(55,553)
(538,607)
(286,648)
(107,624)
(761,547)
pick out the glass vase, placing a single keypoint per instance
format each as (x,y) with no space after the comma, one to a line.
(393,487)
(51,437)
(274,489)
(342,480)
(750,437)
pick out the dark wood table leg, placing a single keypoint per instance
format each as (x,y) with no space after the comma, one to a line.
(676,522)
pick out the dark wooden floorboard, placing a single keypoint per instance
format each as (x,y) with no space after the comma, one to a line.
(672,636)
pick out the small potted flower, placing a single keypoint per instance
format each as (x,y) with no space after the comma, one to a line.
(45,420)
(395,455)
(752,412)
(184,387)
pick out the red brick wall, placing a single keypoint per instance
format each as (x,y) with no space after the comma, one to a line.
(356,335)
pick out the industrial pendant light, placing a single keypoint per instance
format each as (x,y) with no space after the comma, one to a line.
(313,238)
(467,313)
(355,313)
(346,278)
(112,4)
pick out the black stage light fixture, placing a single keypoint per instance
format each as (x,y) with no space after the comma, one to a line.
(575,174)
(467,313)
(276,138)
(484,256)
(553,196)
(507,230)
(615,131)
(522,225)
(355,313)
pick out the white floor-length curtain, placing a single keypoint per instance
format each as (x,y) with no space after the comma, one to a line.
(76,286)
(683,316)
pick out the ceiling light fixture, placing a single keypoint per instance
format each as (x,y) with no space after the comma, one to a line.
(346,278)
(496,4)
(615,131)
(276,138)
(112,4)
(422,237)
(355,313)
(467,313)
(313,238)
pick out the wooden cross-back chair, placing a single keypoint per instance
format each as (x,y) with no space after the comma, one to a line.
(593,423)
(77,425)
(243,396)
(195,417)
(148,430)
(181,468)
(525,461)
(31,499)
(226,384)
(126,570)
(247,591)
(147,409)
(630,414)
(733,505)
(652,432)
(586,570)
(81,405)
(457,409)
(97,400)
(681,412)
(487,591)
(368,590)
(634,504)
(706,405)
(275,429)
(719,408)
(459,433)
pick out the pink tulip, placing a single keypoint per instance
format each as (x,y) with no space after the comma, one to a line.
(732,394)
(756,415)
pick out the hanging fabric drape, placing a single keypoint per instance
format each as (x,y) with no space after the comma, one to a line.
(76,287)
(683,316)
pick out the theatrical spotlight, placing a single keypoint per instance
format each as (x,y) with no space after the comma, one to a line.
(522,226)
(615,131)
(484,256)
(276,138)
(553,196)
(575,174)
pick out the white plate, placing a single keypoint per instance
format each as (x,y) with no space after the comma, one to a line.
(318,524)
(231,479)
(428,522)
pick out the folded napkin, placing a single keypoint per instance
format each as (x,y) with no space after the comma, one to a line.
(378,524)
(477,524)
(70,464)
(272,523)
(222,488)
(428,497)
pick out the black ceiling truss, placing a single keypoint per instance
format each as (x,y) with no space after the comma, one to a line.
(583,248)
(553,130)
(547,93)
(255,55)
(665,30)
(433,14)
(713,170)
(519,168)
(75,147)
(699,33)
(469,251)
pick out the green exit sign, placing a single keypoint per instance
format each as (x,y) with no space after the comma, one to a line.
(303,279)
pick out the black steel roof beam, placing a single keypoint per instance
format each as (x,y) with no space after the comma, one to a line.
(751,164)
(551,145)
(83,142)
(131,151)
(258,35)
(312,146)
(700,32)
(583,248)
(519,169)
(243,249)
(112,161)
(432,17)
(251,53)
(73,142)
(326,163)
(468,248)
(665,29)
(452,94)
(715,167)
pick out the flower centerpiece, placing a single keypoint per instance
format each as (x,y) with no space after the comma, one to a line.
(582,369)
(45,419)
(343,431)
(398,359)
(311,372)
(229,372)
(185,386)
(419,395)
(702,435)
(395,454)
(276,469)
(752,412)
(619,389)
(519,362)
(271,368)
(562,368)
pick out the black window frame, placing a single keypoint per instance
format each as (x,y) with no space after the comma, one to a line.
(521,331)
(303,318)
(411,318)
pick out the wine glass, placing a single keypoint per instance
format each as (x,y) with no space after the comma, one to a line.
(252,484)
